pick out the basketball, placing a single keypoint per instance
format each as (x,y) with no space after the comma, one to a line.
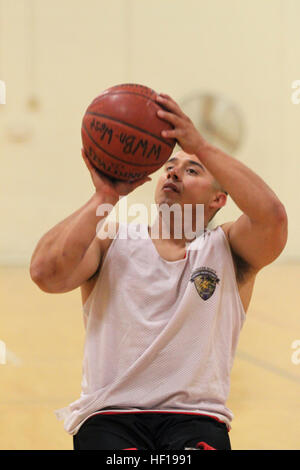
(121,133)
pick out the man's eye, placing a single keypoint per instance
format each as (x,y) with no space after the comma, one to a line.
(188,169)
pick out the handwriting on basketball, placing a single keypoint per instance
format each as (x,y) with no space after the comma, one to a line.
(130,144)
(114,168)
(103,129)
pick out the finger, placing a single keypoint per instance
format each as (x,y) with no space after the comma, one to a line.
(137,183)
(142,180)
(168,103)
(94,171)
(164,95)
(169,117)
(172,134)
(87,161)
(146,179)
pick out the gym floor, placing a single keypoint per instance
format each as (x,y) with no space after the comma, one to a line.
(44,337)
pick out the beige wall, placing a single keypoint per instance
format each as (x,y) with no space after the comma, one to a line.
(65,52)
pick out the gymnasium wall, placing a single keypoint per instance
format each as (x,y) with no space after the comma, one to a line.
(56,56)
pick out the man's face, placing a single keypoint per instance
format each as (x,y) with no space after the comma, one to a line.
(192,183)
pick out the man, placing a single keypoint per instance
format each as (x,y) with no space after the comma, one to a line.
(163,315)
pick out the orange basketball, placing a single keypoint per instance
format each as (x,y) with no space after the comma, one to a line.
(121,133)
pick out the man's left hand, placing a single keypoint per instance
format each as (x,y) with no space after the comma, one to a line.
(184,130)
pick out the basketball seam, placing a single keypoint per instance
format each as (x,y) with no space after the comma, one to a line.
(129,125)
(123,93)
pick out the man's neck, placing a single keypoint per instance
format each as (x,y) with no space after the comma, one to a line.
(178,236)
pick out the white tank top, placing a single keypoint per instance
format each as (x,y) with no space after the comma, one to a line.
(160,335)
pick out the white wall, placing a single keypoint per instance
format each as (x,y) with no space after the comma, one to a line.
(65,52)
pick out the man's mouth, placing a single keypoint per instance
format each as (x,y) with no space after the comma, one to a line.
(171,187)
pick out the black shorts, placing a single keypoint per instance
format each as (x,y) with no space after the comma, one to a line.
(151,431)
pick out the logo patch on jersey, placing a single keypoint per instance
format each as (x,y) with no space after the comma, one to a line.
(205,281)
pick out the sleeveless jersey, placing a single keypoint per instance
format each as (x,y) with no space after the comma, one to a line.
(160,335)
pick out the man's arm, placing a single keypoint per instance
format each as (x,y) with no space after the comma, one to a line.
(260,234)
(258,244)
(70,253)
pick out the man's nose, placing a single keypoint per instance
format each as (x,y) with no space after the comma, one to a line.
(173,173)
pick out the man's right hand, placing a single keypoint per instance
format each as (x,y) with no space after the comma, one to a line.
(109,187)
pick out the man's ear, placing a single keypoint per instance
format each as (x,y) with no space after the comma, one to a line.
(219,200)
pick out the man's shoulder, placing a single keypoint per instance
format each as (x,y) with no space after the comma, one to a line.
(225,227)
